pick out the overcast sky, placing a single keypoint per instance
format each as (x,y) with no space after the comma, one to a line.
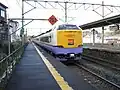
(81,16)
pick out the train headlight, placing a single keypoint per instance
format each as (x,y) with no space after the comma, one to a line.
(72,55)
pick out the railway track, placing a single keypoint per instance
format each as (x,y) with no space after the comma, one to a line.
(102,62)
(98,76)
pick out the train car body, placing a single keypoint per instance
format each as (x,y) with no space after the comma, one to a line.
(64,41)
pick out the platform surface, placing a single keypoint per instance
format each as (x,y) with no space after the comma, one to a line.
(32,74)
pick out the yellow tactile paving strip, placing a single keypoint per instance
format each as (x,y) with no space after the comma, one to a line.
(59,79)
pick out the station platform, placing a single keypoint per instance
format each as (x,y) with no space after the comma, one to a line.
(39,71)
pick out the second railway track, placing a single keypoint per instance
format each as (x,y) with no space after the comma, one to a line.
(102,62)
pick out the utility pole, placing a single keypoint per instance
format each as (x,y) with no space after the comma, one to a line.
(26,32)
(9,38)
(26,36)
(93,37)
(65,12)
(103,26)
(22,31)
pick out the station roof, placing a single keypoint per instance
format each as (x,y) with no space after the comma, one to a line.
(3,5)
(102,22)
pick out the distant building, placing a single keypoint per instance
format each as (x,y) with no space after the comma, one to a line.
(3,15)
(3,23)
(13,28)
(114,27)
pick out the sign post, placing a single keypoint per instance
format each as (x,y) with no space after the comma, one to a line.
(52,19)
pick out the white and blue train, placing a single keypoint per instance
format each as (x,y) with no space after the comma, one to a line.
(63,41)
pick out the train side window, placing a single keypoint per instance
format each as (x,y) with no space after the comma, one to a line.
(49,39)
(46,39)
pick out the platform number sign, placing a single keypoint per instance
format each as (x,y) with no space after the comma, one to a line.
(52,20)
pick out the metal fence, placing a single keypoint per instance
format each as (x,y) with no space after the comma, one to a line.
(7,65)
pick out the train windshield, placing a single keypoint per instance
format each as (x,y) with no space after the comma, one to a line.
(63,27)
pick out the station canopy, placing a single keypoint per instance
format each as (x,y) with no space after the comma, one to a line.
(102,22)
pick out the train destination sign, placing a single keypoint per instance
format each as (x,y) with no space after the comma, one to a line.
(52,19)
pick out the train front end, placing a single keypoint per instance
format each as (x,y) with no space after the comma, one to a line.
(69,42)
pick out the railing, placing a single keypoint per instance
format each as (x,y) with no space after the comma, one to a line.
(7,65)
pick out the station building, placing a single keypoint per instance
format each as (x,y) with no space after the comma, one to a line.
(3,23)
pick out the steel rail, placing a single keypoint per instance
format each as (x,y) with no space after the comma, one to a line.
(102,78)
(100,59)
(102,62)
